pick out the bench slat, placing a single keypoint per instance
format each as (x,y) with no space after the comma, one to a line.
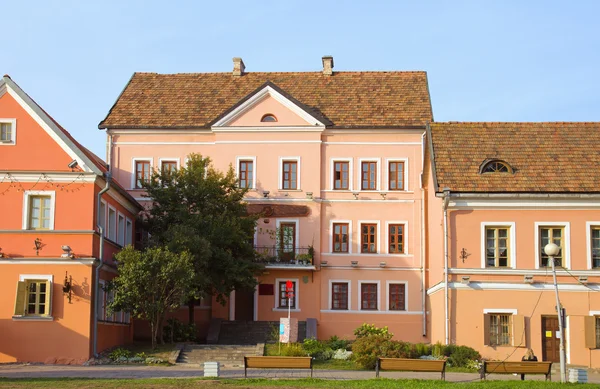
(278,362)
(518,367)
(411,364)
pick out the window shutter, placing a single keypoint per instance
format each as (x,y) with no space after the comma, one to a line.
(519,334)
(486,330)
(590,331)
(20,298)
(49,297)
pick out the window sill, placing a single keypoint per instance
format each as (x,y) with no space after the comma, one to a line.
(285,310)
(290,190)
(113,323)
(33,318)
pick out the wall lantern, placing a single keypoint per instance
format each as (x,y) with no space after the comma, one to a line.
(67,286)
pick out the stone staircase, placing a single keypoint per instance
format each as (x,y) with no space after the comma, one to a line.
(253,332)
(227,355)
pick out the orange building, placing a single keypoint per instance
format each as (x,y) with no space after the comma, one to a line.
(56,197)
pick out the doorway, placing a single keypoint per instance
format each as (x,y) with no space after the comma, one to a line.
(244,304)
(550,339)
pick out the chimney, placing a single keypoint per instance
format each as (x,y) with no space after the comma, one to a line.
(327,65)
(238,66)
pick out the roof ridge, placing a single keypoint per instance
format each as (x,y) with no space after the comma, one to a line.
(523,122)
(290,72)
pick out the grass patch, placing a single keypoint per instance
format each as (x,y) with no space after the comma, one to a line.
(383,383)
(162,351)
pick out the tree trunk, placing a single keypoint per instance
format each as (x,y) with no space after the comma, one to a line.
(153,333)
(191,318)
(161,326)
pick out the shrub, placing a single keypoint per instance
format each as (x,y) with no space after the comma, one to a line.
(316,349)
(370,329)
(462,356)
(119,354)
(177,331)
(293,350)
(422,349)
(342,354)
(336,343)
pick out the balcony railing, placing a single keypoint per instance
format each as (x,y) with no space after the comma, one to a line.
(289,256)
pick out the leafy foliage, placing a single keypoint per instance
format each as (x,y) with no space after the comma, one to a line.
(336,343)
(119,353)
(317,349)
(200,210)
(176,331)
(370,329)
(151,283)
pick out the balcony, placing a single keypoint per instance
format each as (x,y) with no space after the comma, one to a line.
(291,258)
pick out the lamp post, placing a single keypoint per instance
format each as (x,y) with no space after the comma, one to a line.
(552,250)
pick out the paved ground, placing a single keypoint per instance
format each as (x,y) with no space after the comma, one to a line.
(179,371)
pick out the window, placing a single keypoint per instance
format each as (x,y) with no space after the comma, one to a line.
(369,175)
(339,295)
(121,230)
(500,329)
(101,302)
(287,240)
(368,296)
(396,175)
(341,175)
(396,238)
(496,246)
(112,224)
(246,174)
(285,301)
(40,212)
(168,167)
(368,241)
(128,232)
(142,173)
(556,236)
(268,118)
(595,246)
(33,297)
(495,166)
(290,175)
(397,297)
(8,131)
(340,238)
(597,322)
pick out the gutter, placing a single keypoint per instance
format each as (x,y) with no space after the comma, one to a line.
(446,315)
(423,291)
(101,264)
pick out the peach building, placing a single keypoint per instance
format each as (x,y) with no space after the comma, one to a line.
(497,193)
(51,252)
(334,163)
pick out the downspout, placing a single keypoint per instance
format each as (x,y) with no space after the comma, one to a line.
(423,291)
(101,258)
(447,317)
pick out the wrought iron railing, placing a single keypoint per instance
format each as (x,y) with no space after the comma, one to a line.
(277,255)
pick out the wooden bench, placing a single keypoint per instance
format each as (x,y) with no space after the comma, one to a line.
(402,364)
(524,367)
(277,363)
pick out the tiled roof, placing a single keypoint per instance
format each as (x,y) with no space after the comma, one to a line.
(546,157)
(346,99)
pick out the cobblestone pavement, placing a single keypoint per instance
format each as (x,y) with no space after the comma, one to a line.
(194,371)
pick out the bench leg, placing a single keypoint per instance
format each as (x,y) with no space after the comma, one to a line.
(245,372)
(377,369)
(311,372)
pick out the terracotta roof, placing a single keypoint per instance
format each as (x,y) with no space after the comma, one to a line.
(346,99)
(546,157)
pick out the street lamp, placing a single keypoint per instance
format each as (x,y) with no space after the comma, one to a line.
(552,250)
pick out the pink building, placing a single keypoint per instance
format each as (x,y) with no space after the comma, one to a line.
(335,161)
(498,193)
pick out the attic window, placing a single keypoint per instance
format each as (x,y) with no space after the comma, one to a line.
(495,166)
(268,118)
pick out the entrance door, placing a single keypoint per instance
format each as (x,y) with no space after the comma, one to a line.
(550,339)
(244,304)
(287,241)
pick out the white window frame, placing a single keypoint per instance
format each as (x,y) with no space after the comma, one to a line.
(387,237)
(513,243)
(297,237)
(387,174)
(588,238)
(111,231)
(330,293)
(387,295)
(331,223)
(567,239)
(27,194)
(332,162)
(241,158)
(377,178)
(13,131)
(377,241)
(121,229)
(298,165)
(128,236)
(133,172)
(161,160)
(297,296)
(360,282)
(41,277)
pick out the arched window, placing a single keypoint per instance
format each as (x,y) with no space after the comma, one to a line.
(268,118)
(495,166)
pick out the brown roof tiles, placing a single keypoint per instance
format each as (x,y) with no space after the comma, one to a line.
(546,157)
(346,99)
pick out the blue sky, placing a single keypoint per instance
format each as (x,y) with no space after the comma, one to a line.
(486,60)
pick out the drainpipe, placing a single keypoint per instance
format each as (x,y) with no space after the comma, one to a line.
(423,292)
(101,264)
(447,317)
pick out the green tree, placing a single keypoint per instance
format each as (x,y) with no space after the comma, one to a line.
(151,283)
(200,210)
